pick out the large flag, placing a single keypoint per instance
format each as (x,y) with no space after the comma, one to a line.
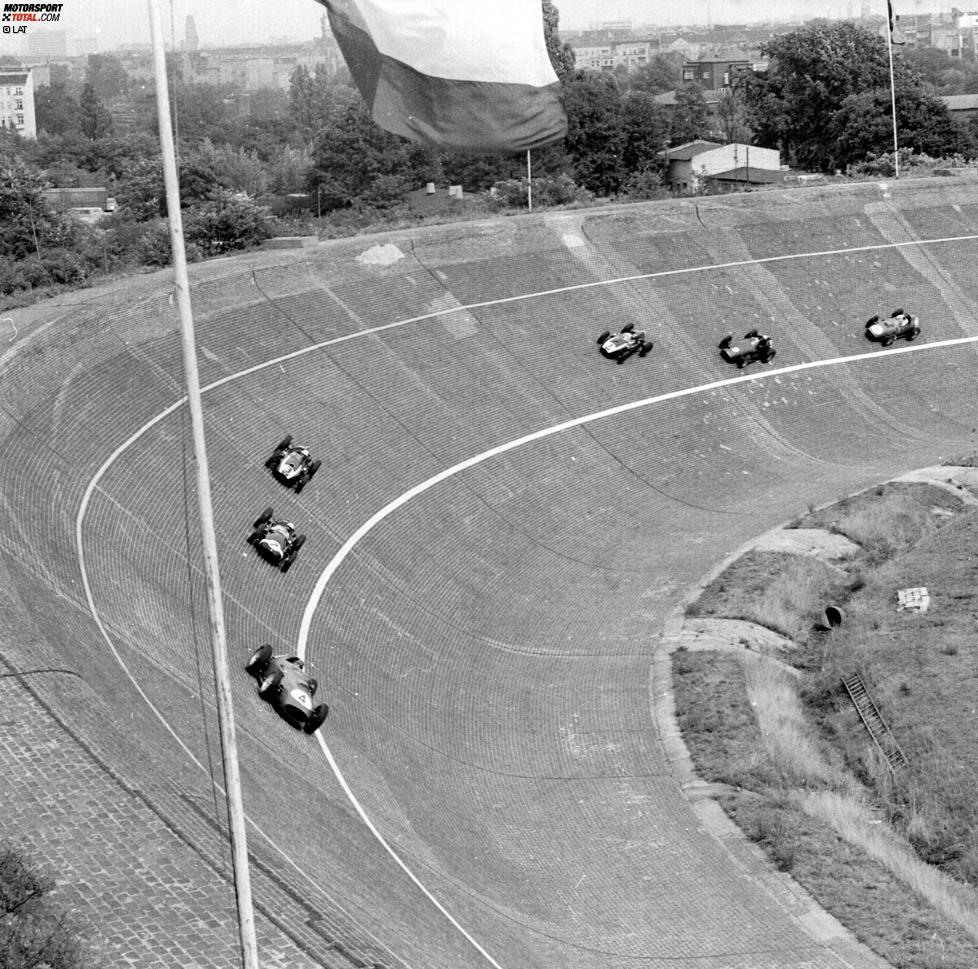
(468,75)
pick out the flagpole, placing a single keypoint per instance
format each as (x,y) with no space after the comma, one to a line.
(529,183)
(889,53)
(222,681)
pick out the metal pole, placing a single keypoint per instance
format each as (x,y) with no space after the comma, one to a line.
(222,683)
(529,182)
(889,53)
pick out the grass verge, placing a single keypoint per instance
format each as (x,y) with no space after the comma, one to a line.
(893,857)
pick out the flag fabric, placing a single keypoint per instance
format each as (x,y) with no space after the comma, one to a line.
(466,75)
(895,34)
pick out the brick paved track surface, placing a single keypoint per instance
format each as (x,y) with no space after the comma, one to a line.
(487,649)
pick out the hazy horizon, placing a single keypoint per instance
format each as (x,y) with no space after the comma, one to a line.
(115,23)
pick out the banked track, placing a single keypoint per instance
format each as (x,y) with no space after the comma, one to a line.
(487,645)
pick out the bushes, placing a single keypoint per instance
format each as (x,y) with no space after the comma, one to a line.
(230,221)
(33,932)
(560,190)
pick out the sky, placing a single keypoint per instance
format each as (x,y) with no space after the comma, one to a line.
(229,22)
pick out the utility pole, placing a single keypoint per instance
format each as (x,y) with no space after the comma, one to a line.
(222,681)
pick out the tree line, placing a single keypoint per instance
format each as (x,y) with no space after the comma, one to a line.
(313,153)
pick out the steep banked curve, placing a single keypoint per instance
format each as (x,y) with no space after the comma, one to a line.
(487,649)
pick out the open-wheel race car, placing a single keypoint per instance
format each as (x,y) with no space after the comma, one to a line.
(292,465)
(276,540)
(620,346)
(284,683)
(899,325)
(754,346)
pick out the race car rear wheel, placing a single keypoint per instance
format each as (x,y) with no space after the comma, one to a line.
(913,334)
(270,684)
(896,313)
(316,719)
(314,467)
(265,516)
(259,660)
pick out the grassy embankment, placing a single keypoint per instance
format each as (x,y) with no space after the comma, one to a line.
(894,856)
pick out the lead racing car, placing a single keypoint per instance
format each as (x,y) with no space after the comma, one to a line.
(284,683)
(292,465)
(620,346)
(754,346)
(899,325)
(275,540)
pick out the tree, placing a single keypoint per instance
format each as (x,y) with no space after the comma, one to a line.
(107,76)
(660,75)
(863,126)
(356,160)
(29,224)
(32,931)
(690,117)
(95,120)
(561,54)
(56,112)
(316,102)
(595,136)
(229,221)
(812,73)
(731,116)
(645,126)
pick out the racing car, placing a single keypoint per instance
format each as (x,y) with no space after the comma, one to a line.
(292,465)
(900,324)
(620,346)
(276,540)
(284,683)
(754,346)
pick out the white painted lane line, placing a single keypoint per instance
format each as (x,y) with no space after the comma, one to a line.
(471,462)
(371,523)
(368,526)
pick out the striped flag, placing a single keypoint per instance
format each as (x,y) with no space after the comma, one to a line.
(467,75)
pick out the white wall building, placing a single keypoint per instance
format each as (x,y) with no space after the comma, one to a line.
(17,101)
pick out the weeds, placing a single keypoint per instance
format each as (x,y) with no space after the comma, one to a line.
(801,768)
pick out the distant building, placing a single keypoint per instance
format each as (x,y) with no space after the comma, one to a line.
(83,46)
(961,107)
(52,44)
(87,204)
(716,72)
(192,41)
(689,166)
(17,101)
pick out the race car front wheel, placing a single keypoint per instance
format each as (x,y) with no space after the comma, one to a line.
(269,685)
(259,660)
(316,718)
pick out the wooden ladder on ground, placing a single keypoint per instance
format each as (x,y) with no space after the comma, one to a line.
(873,721)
